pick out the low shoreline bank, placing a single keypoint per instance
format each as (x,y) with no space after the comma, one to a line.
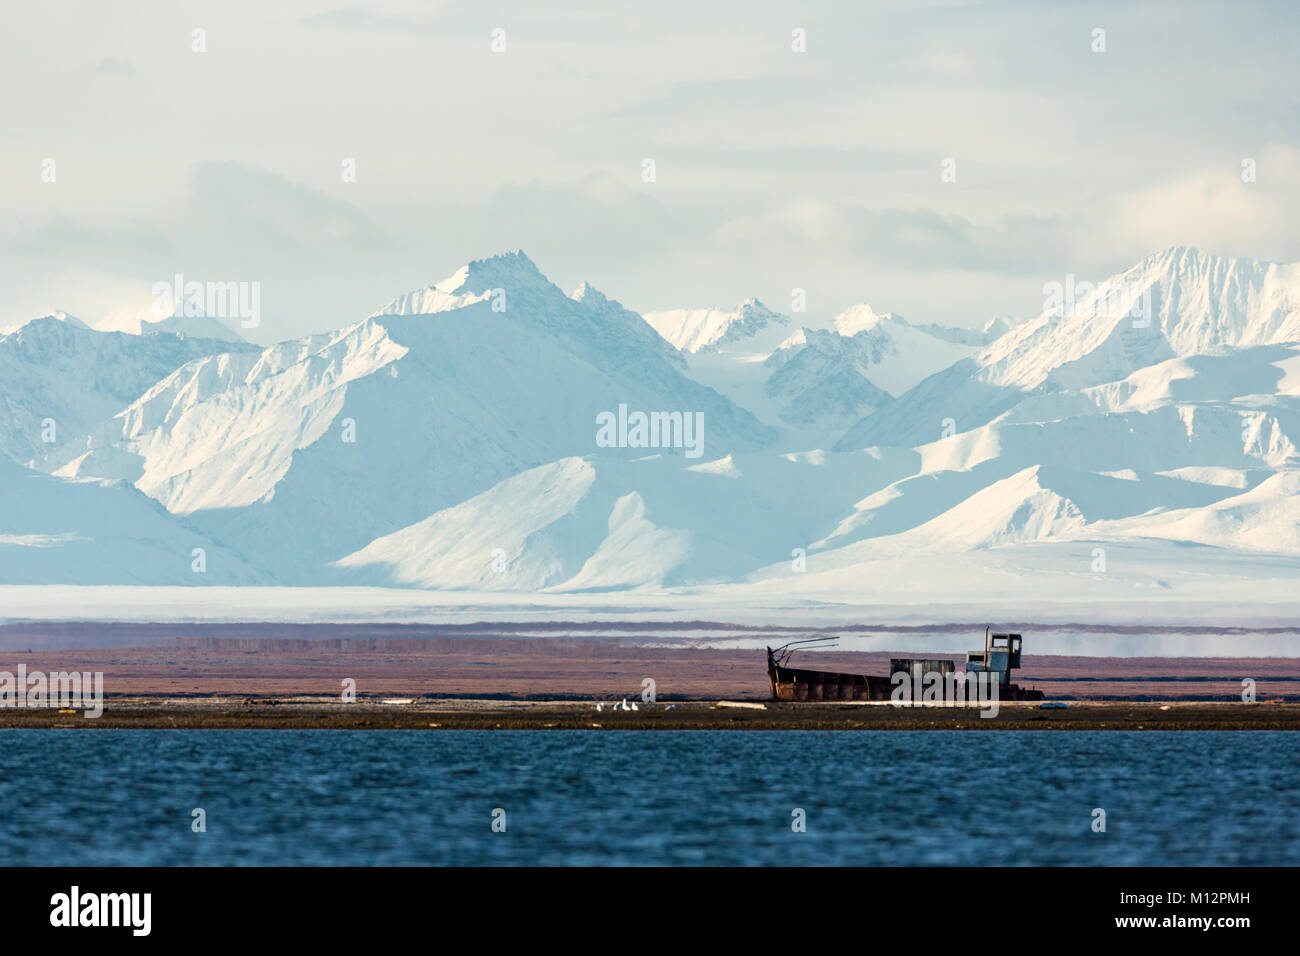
(306,713)
(584,669)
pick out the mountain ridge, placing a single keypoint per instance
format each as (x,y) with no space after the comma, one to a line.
(450,438)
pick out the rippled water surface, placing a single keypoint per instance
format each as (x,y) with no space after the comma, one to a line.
(88,797)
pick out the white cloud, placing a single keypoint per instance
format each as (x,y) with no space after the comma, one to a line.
(1217,210)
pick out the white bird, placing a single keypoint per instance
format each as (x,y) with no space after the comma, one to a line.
(600,706)
(634,707)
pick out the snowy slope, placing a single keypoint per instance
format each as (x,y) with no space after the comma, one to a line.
(593,523)
(1174,304)
(820,379)
(811,382)
(145,322)
(58,315)
(1263,518)
(895,354)
(57,369)
(220,432)
(695,330)
(99,532)
(1013,509)
(1194,302)
(1183,429)
(256,449)
(450,441)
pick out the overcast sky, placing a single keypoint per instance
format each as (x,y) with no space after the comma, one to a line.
(775,169)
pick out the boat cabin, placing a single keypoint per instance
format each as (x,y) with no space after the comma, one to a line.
(1001,655)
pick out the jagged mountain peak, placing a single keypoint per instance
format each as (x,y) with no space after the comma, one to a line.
(697,330)
(1176,302)
(588,294)
(60,316)
(374,454)
(1183,258)
(753,306)
(511,273)
(146,322)
(998,326)
(57,315)
(504,270)
(863,318)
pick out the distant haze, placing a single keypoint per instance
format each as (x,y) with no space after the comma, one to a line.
(773,169)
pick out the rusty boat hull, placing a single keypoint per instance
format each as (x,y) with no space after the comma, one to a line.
(796,683)
(804,684)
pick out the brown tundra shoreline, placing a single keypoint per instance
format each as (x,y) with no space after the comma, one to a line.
(305,713)
(273,681)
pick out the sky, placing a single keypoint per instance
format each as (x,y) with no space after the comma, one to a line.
(775,168)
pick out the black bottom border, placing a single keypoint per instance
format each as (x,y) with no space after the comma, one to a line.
(740,908)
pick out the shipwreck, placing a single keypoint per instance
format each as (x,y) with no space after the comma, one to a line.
(1000,656)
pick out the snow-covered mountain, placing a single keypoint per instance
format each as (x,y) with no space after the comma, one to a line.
(55,531)
(59,378)
(307,451)
(1195,450)
(1176,303)
(452,440)
(145,322)
(696,330)
(597,523)
(58,315)
(811,381)
(894,354)
(822,380)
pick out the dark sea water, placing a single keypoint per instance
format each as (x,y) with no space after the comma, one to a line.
(108,797)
